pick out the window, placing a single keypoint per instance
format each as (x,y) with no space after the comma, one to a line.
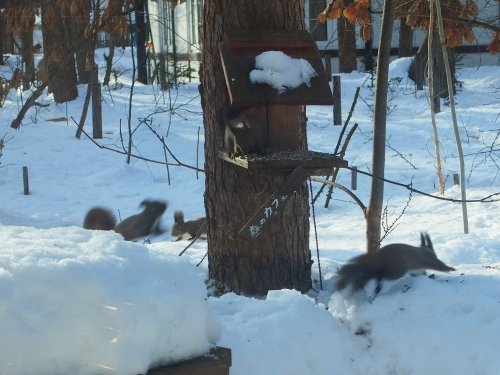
(167,27)
(318,31)
(194,12)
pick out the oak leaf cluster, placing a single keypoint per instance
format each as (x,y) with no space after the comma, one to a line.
(19,17)
(457,18)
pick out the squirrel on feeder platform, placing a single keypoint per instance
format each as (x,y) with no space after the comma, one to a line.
(243,133)
(132,228)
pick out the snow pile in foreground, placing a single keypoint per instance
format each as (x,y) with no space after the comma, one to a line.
(87,302)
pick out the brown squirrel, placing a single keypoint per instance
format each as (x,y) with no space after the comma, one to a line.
(390,263)
(132,228)
(243,133)
(196,227)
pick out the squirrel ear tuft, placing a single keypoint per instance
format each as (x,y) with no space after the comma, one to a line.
(145,203)
(178,216)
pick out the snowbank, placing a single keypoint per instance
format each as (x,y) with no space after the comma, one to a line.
(86,302)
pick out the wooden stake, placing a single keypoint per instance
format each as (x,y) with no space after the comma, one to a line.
(337,107)
(26,183)
(354,178)
(96,106)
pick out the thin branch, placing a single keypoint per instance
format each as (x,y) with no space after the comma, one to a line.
(486,199)
(346,122)
(434,97)
(389,227)
(178,164)
(344,189)
(475,23)
(449,81)
(196,236)
(164,144)
(30,102)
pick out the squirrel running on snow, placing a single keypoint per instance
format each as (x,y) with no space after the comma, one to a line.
(195,228)
(132,228)
(390,263)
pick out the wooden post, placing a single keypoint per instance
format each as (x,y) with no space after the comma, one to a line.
(26,183)
(96,106)
(337,107)
(437,103)
(354,178)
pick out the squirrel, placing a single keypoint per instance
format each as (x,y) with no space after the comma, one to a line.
(243,133)
(389,263)
(132,228)
(195,228)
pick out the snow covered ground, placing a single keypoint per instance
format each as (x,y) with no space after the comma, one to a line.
(86,302)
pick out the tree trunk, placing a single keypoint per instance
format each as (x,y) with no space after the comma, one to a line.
(28,59)
(374,212)
(440,83)
(174,77)
(114,9)
(142,32)
(417,70)
(368,59)
(280,256)
(109,60)
(405,39)
(82,44)
(58,51)
(2,44)
(347,44)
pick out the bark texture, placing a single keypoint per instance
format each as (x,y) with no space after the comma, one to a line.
(347,44)
(418,68)
(405,48)
(58,51)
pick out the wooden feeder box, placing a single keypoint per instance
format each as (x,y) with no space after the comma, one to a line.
(277,111)
(217,362)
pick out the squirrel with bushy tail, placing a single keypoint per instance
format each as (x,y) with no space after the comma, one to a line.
(137,226)
(391,262)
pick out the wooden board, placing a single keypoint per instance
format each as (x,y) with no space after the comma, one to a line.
(238,52)
(272,207)
(217,362)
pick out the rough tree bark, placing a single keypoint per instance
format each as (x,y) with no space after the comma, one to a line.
(2,44)
(417,71)
(58,51)
(347,44)
(405,47)
(114,7)
(141,37)
(28,58)
(279,257)
(80,42)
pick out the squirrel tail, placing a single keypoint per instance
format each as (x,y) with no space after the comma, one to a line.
(99,218)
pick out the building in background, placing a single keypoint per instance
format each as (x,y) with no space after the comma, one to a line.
(176,26)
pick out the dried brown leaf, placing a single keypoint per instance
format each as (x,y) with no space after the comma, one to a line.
(494,46)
